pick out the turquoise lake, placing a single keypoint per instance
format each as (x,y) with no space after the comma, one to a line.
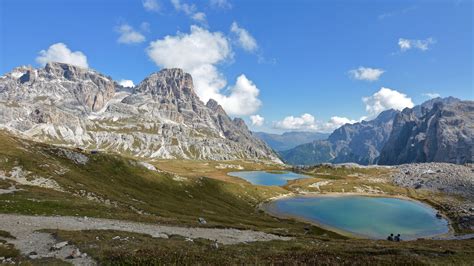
(372,217)
(267,178)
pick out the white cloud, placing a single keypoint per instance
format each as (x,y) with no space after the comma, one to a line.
(307,122)
(366,73)
(335,122)
(59,52)
(385,99)
(200,17)
(145,26)
(199,53)
(128,35)
(244,38)
(257,120)
(151,5)
(243,98)
(303,122)
(423,45)
(190,10)
(432,95)
(224,4)
(126,83)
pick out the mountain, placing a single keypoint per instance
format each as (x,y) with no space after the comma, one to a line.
(289,140)
(360,143)
(438,130)
(162,117)
(443,131)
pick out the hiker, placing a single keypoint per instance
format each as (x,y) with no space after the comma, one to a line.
(390,237)
(397,238)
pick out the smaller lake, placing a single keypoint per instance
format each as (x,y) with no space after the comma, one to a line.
(267,178)
(372,217)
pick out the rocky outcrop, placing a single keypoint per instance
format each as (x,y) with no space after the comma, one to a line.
(442,133)
(162,117)
(359,143)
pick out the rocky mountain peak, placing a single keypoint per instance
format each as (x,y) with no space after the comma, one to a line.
(172,82)
(162,117)
(444,132)
(215,106)
(71,87)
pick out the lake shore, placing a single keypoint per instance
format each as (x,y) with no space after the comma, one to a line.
(269,208)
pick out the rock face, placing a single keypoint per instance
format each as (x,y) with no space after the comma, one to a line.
(359,143)
(289,140)
(439,130)
(161,117)
(442,133)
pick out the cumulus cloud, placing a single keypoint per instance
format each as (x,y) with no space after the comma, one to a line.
(244,38)
(366,73)
(190,10)
(432,95)
(257,120)
(386,99)
(59,52)
(126,83)
(128,35)
(199,16)
(224,4)
(199,53)
(423,45)
(303,122)
(151,5)
(307,122)
(337,121)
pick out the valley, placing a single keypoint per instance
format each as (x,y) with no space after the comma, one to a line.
(178,194)
(225,132)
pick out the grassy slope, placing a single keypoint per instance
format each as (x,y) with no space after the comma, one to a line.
(132,187)
(222,204)
(141,249)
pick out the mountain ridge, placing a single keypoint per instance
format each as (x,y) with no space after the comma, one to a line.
(289,140)
(374,141)
(161,117)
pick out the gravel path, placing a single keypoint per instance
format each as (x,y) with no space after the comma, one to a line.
(24,227)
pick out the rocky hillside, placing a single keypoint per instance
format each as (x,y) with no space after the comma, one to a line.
(439,130)
(289,140)
(161,117)
(442,133)
(359,143)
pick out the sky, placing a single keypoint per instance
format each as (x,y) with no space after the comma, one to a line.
(281,65)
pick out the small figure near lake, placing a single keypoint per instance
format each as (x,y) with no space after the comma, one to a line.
(396,238)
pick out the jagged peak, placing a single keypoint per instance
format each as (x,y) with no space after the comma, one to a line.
(169,73)
(174,82)
(215,106)
(239,122)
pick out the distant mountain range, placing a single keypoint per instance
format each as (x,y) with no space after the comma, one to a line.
(289,140)
(442,132)
(162,117)
(439,130)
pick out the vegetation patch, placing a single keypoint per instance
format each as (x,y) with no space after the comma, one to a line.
(113,247)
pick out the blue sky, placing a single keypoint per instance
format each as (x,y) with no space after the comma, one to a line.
(289,62)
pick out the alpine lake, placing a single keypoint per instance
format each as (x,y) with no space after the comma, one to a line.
(353,215)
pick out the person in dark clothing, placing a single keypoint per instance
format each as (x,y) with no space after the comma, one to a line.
(397,238)
(390,237)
